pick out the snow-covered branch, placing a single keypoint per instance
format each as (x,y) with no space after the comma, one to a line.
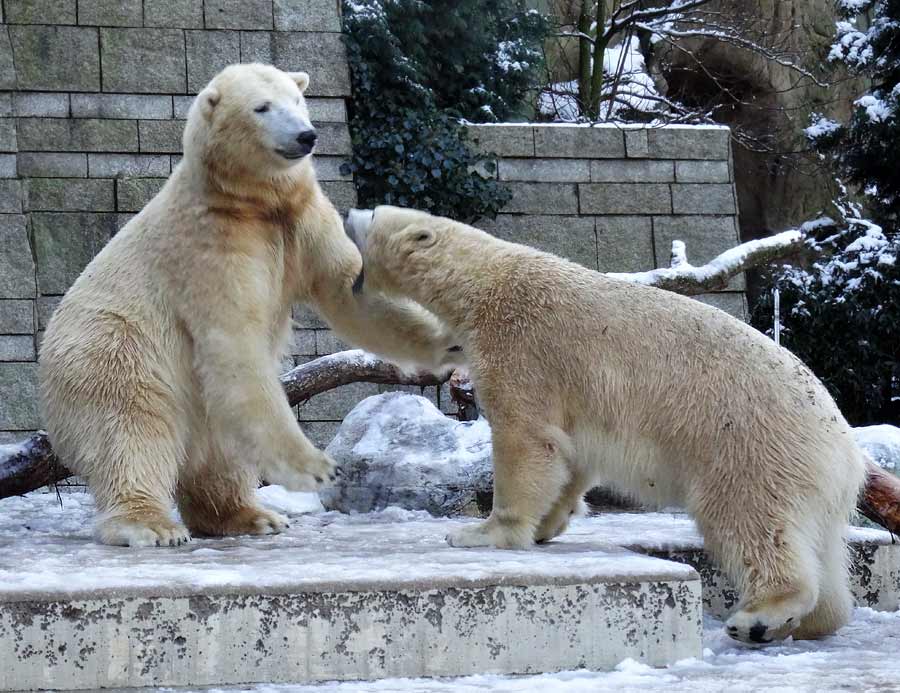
(681,277)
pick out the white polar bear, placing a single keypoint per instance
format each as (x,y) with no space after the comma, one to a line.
(660,395)
(159,369)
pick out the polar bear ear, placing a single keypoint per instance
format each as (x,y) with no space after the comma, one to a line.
(207,100)
(301,78)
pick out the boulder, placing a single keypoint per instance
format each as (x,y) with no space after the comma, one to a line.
(399,449)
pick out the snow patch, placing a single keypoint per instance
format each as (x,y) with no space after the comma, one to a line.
(882,443)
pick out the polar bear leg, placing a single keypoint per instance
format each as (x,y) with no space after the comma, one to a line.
(570,504)
(217,498)
(133,492)
(780,585)
(529,475)
(835,604)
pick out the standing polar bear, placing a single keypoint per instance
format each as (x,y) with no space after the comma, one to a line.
(663,396)
(159,369)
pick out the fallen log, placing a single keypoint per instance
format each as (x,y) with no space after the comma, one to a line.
(31,465)
(880,501)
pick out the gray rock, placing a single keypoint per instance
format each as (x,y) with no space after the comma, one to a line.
(16,260)
(399,449)
(883,445)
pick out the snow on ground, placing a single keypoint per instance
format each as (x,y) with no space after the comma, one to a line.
(882,443)
(47,548)
(862,658)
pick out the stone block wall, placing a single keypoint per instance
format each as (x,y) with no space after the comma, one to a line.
(613,198)
(93,96)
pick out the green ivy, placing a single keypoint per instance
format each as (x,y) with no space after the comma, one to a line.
(418,69)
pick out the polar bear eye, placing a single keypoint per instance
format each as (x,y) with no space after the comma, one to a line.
(263,108)
(423,237)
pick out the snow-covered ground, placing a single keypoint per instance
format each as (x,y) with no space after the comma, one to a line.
(863,658)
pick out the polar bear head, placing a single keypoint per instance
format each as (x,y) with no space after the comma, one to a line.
(399,246)
(251,120)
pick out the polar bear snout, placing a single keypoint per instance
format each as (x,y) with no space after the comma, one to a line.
(357,225)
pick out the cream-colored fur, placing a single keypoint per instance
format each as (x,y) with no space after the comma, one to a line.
(159,369)
(586,379)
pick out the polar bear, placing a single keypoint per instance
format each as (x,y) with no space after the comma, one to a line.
(159,369)
(665,397)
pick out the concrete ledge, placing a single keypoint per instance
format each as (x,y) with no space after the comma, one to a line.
(336,598)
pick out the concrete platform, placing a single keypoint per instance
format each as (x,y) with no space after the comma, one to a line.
(337,597)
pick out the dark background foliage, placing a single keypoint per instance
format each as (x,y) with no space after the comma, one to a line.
(417,69)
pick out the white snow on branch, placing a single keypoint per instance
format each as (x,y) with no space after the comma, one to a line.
(726,265)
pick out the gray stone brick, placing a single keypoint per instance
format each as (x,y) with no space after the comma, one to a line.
(208,52)
(8,166)
(628,171)
(327,342)
(132,194)
(8,138)
(687,142)
(122,219)
(544,170)
(56,58)
(110,12)
(307,15)
(46,104)
(303,343)
(542,198)
(327,110)
(77,135)
(128,165)
(323,56)
(6,104)
(625,198)
(579,142)
(328,168)
(40,11)
(699,198)
(18,347)
(45,307)
(69,195)
(161,135)
(16,261)
(341,194)
(16,317)
(10,196)
(19,397)
(182,105)
(238,14)
(8,79)
(624,244)
(306,317)
(504,141)
(64,243)
(335,404)
(704,238)
(733,303)
(702,172)
(145,106)
(186,14)
(52,165)
(159,53)
(334,138)
(320,433)
(637,144)
(570,237)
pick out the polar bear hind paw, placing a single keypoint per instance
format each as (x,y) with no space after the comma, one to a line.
(161,531)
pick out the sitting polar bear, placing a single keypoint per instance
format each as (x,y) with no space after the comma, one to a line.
(660,395)
(159,369)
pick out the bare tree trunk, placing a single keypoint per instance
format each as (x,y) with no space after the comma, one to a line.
(32,464)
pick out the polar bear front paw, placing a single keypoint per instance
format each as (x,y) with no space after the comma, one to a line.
(118,531)
(489,534)
(254,520)
(307,475)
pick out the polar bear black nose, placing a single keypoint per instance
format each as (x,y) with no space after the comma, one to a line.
(307,138)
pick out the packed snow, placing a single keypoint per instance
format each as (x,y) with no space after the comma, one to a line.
(882,443)
(46,547)
(862,658)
